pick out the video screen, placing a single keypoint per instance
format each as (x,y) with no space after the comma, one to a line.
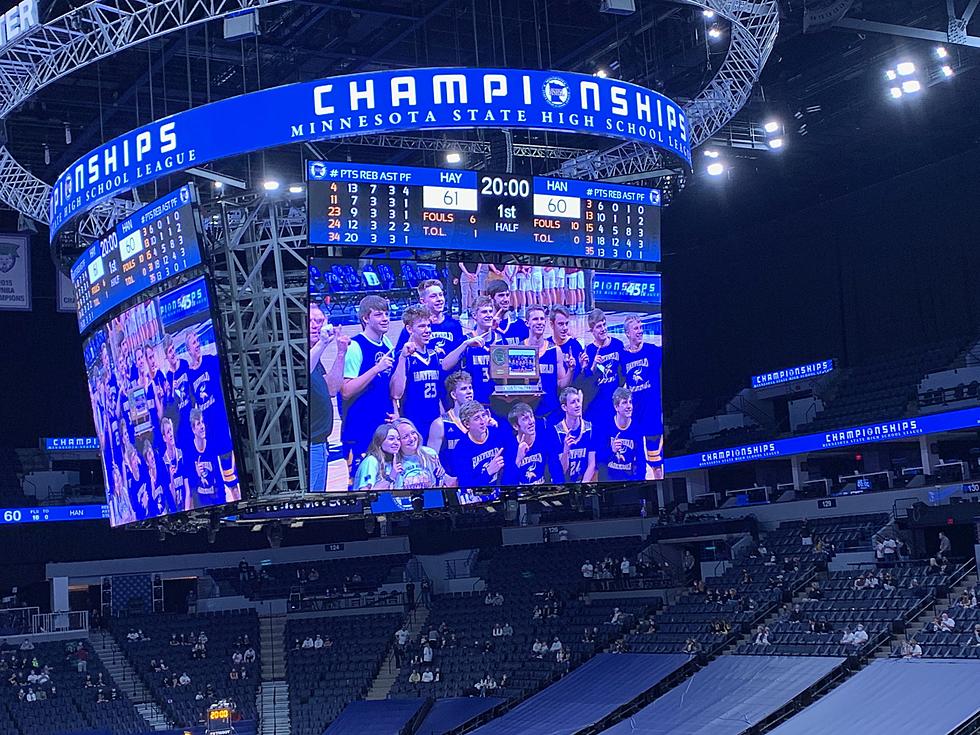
(476,377)
(158,401)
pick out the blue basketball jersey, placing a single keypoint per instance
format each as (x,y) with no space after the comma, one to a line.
(578,454)
(373,403)
(420,402)
(641,370)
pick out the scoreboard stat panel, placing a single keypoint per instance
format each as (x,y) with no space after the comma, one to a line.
(158,241)
(400,206)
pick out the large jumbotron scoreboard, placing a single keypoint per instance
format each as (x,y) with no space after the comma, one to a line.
(446,209)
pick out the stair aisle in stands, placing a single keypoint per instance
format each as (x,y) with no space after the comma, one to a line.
(129,682)
(272,699)
(388,674)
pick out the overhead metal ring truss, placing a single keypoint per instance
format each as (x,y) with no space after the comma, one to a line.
(754,27)
(101,28)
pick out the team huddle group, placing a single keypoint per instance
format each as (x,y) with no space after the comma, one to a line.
(163,430)
(422,412)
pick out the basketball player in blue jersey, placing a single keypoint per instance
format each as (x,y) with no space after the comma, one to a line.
(510,329)
(446,331)
(604,358)
(368,366)
(161,501)
(483,452)
(176,467)
(138,483)
(551,362)
(156,375)
(641,369)
(475,351)
(204,469)
(571,348)
(417,377)
(530,465)
(180,391)
(622,446)
(573,457)
(447,430)
(204,383)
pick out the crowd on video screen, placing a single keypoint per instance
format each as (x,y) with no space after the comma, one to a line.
(477,377)
(160,415)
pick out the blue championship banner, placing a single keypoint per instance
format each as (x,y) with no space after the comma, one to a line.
(794,373)
(374,102)
(966,418)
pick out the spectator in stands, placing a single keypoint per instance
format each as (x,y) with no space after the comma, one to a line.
(314,575)
(508,630)
(911,649)
(317,642)
(427,676)
(872,581)
(556,645)
(539,648)
(813,593)
(236,658)
(427,653)
(847,638)
(975,640)
(132,636)
(890,550)
(859,637)
(497,631)
(199,651)
(173,640)
(692,647)
(618,617)
(415,679)
(81,656)
(945,547)
(860,582)
(233,674)
(249,655)
(887,582)
(308,642)
(761,636)
(184,680)
(587,570)
(796,614)
(946,623)
(624,568)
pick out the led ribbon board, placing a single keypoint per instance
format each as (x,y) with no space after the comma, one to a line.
(884,431)
(794,373)
(375,102)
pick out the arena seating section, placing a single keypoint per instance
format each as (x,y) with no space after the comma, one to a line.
(223,631)
(326,684)
(71,707)
(323,681)
(278,580)
(524,575)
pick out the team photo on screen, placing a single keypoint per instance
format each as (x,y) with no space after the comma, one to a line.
(157,396)
(477,377)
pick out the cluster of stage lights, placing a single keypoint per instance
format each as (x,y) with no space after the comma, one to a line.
(715,30)
(715,164)
(905,79)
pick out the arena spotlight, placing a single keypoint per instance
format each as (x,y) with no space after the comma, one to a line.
(270,185)
(771,126)
(775,143)
(715,168)
(708,13)
(947,71)
(711,153)
(454,157)
(911,86)
(895,92)
(891,75)
(941,52)
(601,73)
(714,32)
(218,185)
(296,189)
(905,68)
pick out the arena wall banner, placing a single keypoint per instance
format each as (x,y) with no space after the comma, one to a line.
(788,375)
(897,429)
(15,273)
(374,102)
(65,294)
